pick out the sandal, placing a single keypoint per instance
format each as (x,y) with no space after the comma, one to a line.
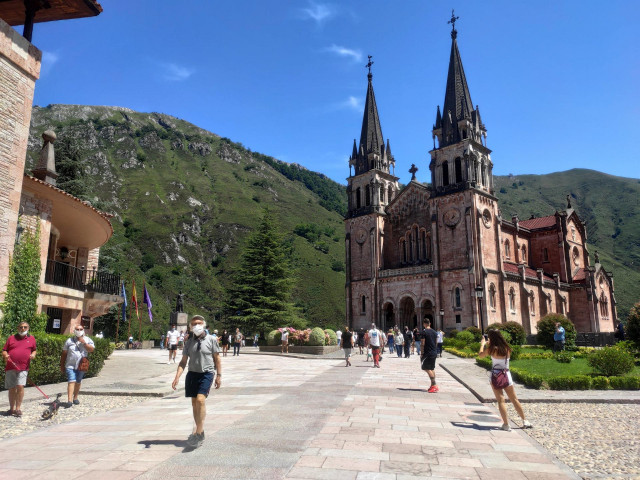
(17,413)
(8,413)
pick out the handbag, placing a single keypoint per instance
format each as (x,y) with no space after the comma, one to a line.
(83,366)
(499,378)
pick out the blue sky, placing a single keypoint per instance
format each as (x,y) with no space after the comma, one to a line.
(556,81)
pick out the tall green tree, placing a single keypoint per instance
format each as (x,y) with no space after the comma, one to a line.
(22,289)
(259,298)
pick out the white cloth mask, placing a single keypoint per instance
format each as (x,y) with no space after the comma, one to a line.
(23,333)
(197,330)
(79,333)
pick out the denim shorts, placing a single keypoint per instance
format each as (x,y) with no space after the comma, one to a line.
(74,375)
(197,383)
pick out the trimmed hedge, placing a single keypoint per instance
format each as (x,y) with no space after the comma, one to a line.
(531,380)
(477,333)
(466,336)
(564,357)
(332,337)
(316,339)
(460,353)
(625,383)
(600,383)
(514,329)
(570,382)
(45,368)
(546,327)
(274,337)
(611,361)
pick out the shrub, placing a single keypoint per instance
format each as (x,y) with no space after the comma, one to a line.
(632,331)
(564,357)
(474,347)
(625,383)
(466,337)
(330,337)
(484,362)
(516,331)
(530,380)
(507,336)
(274,337)
(452,333)
(460,353)
(600,383)
(515,352)
(316,338)
(547,327)
(611,361)
(477,333)
(45,368)
(570,382)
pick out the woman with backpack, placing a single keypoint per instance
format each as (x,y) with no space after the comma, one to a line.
(500,351)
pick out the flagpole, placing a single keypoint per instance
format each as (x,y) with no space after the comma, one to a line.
(129,323)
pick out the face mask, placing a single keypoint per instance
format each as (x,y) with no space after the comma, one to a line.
(22,334)
(197,330)
(79,333)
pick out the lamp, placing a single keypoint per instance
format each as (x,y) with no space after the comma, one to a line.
(64,253)
(442,318)
(19,230)
(479,293)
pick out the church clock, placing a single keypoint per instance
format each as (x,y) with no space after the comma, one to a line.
(486,218)
(361,235)
(451,217)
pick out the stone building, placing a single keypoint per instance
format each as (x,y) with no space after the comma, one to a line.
(72,291)
(445,251)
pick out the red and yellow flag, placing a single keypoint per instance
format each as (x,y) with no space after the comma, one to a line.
(134,299)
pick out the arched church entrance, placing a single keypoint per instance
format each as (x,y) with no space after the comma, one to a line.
(389,316)
(408,313)
(427,311)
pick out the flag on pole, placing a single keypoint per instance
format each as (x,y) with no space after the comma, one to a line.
(134,299)
(147,301)
(124,304)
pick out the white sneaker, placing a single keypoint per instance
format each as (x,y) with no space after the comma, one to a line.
(169,362)
(506,427)
(527,424)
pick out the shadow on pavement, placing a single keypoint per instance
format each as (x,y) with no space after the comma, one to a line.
(177,443)
(474,426)
(413,389)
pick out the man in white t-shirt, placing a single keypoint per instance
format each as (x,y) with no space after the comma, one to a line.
(172,338)
(375,341)
(339,336)
(285,341)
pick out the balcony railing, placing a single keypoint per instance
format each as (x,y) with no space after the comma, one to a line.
(65,275)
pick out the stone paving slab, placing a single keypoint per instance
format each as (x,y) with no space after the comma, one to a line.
(278,417)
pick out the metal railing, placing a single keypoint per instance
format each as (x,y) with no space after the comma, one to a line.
(65,275)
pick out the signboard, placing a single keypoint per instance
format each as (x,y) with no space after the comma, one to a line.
(56,323)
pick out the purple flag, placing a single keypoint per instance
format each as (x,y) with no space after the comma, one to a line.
(147,301)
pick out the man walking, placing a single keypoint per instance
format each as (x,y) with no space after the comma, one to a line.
(375,340)
(203,355)
(18,351)
(399,340)
(429,344)
(74,350)
(173,336)
(347,345)
(237,342)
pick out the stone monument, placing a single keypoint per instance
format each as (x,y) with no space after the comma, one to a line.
(179,317)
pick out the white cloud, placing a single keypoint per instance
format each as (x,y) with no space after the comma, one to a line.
(176,73)
(354,103)
(49,59)
(318,12)
(346,52)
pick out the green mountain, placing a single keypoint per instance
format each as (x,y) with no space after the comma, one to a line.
(184,200)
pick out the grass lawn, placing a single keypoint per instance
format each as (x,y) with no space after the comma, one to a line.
(552,368)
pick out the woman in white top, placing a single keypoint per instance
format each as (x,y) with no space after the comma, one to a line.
(500,351)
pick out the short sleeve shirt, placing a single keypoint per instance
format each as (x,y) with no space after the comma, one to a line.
(559,335)
(201,360)
(75,351)
(346,339)
(430,342)
(285,336)
(374,337)
(19,349)
(172,337)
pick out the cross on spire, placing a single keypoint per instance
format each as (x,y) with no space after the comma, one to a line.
(413,171)
(368,65)
(453,24)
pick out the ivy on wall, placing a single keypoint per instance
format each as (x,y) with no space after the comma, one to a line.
(22,290)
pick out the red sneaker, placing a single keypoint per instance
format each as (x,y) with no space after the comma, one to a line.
(433,389)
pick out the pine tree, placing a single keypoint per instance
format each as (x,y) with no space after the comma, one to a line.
(70,168)
(261,290)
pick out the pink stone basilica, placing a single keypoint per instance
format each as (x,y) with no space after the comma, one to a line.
(443,250)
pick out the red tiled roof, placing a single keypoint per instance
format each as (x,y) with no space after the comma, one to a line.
(528,272)
(541,222)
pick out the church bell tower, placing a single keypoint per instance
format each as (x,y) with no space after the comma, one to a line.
(369,190)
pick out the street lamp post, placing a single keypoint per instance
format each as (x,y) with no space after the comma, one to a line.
(479,294)
(442,319)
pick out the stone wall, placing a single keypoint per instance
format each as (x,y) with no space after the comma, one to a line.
(19,70)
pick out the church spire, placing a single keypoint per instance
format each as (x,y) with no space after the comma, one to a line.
(458,115)
(371,134)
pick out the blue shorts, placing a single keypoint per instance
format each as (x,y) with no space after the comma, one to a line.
(197,383)
(74,375)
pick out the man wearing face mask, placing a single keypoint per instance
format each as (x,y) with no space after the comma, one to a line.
(18,351)
(74,350)
(202,353)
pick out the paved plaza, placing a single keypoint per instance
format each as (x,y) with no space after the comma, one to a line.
(279,417)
